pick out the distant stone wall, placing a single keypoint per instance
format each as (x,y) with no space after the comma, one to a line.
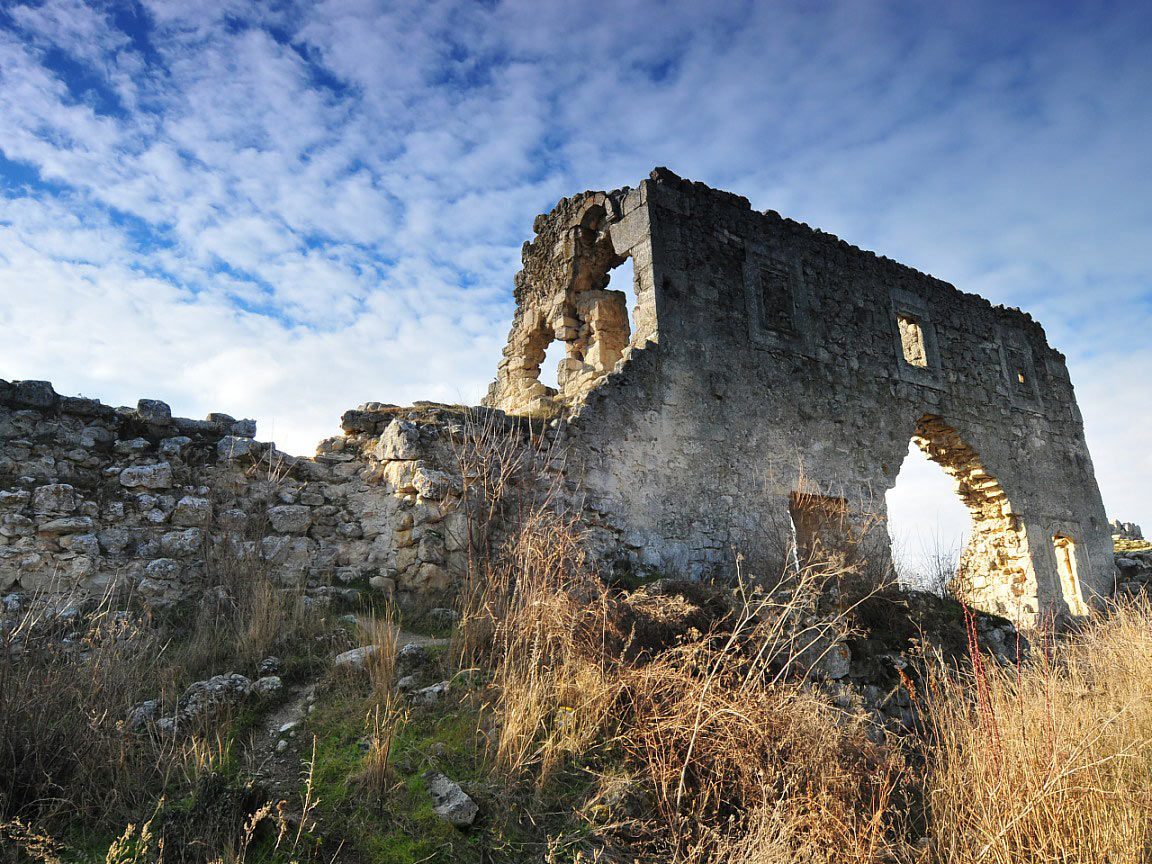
(775,377)
(94,498)
(1125,530)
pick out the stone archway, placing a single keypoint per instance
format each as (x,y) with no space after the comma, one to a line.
(996,572)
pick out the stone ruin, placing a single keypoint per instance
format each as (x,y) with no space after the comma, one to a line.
(748,398)
(767,374)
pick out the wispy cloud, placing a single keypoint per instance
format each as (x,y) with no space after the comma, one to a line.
(288,209)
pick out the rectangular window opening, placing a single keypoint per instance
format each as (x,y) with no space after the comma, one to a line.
(776,300)
(912,341)
(1065,549)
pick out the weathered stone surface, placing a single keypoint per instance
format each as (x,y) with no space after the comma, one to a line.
(33,394)
(290,518)
(192,512)
(181,544)
(67,525)
(158,476)
(452,803)
(433,695)
(790,370)
(154,411)
(232,447)
(54,498)
(355,658)
(400,440)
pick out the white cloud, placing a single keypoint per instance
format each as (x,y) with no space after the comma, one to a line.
(300,207)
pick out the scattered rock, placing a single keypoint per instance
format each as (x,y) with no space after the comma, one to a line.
(139,716)
(354,659)
(413,660)
(269,666)
(428,696)
(267,687)
(452,803)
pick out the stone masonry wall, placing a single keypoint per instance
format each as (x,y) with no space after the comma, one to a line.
(94,498)
(780,376)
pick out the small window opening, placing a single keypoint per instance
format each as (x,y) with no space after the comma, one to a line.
(1065,549)
(776,299)
(549,369)
(623,278)
(912,341)
(1021,379)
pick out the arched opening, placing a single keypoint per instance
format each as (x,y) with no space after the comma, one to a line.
(927,523)
(994,571)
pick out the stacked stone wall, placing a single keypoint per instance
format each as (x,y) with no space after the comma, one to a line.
(94,498)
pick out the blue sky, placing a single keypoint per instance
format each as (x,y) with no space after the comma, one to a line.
(285,209)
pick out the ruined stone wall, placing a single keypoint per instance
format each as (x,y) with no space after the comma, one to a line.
(780,366)
(94,498)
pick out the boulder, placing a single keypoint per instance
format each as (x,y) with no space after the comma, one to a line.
(452,802)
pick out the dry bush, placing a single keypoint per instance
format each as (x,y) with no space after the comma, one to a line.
(737,759)
(66,686)
(748,764)
(246,614)
(543,627)
(1051,761)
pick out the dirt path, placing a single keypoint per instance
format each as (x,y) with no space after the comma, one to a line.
(279,766)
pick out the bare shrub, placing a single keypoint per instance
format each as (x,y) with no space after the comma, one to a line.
(708,707)
(66,686)
(1050,761)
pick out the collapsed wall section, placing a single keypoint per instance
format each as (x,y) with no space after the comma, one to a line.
(96,499)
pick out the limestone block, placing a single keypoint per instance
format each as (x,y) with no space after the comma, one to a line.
(67,525)
(175,448)
(81,544)
(192,512)
(34,394)
(16,498)
(244,428)
(290,518)
(54,498)
(399,475)
(154,411)
(400,440)
(132,446)
(162,570)
(158,476)
(232,447)
(432,484)
(427,579)
(181,544)
(115,541)
(16,525)
(383,585)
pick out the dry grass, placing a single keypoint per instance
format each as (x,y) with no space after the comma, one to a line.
(713,728)
(1051,761)
(65,689)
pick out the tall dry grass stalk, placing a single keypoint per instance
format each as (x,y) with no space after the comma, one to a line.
(388,710)
(66,685)
(1051,761)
